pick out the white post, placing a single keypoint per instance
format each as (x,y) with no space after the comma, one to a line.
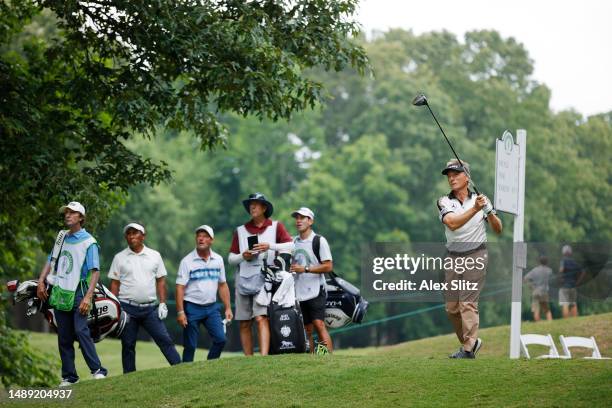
(519,258)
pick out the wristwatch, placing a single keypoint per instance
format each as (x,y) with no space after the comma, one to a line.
(306,269)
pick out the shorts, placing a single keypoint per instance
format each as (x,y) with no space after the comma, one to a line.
(568,296)
(247,308)
(539,302)
(314,309)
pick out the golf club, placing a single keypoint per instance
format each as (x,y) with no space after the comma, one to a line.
(421,100)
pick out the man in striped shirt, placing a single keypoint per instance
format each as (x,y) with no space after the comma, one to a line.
(201,274)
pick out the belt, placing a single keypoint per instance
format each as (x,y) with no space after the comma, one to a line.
(200,304)
(471,251)
(132,303)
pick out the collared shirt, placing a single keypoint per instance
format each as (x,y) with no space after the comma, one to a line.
(201,277)
(471,234)
(282,235)
(92,258)
(137,272)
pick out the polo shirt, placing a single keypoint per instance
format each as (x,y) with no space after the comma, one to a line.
(137,272)
(470,235)
(201,277)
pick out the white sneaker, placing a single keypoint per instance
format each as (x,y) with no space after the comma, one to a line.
(98,375)
(66,383)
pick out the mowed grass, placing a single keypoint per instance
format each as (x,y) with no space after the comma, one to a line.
(496,340)
(148,355)
(416,373)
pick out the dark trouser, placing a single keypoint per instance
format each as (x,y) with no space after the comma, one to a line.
(70,326)
(210,316)
(147,318)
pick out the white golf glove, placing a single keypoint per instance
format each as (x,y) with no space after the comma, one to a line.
(162,311)
(488,208)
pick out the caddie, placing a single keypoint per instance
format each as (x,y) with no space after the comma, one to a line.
(310,268)
(267,237)
(74,270)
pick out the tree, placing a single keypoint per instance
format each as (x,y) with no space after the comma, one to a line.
(104,72)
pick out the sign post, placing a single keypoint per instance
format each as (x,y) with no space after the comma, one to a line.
(510,161)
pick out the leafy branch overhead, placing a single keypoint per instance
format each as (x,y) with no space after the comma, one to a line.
(181,62)
(80,78)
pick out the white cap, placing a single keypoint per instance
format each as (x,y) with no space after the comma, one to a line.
(305,211)
(206,228)
(134,225)
(74,206)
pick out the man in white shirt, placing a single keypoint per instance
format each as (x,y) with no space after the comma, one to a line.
(465,216)
(201,274)
(310,280)
(138,277)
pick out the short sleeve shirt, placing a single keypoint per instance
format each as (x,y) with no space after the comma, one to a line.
(92,257)
(469,236)
(137,272)
(540,277)
(201,277)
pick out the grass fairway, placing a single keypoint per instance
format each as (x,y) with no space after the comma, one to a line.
(411,374)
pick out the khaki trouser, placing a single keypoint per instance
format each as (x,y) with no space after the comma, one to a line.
(462,302)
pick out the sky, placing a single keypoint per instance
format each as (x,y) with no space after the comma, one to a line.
(570,41)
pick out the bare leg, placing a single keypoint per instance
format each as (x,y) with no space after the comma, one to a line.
(246,337)
(263,331)
(574,310)
(565,311)
(324,336)
(308,328)
(549,316)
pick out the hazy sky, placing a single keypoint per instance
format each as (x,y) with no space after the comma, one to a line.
(570,41)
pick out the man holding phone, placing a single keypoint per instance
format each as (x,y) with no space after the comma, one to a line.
(252,243)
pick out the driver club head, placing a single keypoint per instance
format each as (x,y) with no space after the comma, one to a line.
(419,100)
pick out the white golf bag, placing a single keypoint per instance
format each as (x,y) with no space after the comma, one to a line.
(106,317)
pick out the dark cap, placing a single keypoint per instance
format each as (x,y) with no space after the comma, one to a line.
(454,167)
(262,199)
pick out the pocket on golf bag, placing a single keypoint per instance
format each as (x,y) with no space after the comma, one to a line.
(287,334)
(62,299)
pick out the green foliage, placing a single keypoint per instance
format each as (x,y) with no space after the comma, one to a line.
(20,363)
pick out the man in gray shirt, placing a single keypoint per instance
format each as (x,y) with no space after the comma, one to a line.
(538,279)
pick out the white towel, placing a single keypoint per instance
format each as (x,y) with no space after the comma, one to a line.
(263,297)
(285,295)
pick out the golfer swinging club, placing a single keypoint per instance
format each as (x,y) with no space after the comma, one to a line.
(464,215)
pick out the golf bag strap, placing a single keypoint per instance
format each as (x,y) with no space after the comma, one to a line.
(316,248)
(57,248)
(95,331)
